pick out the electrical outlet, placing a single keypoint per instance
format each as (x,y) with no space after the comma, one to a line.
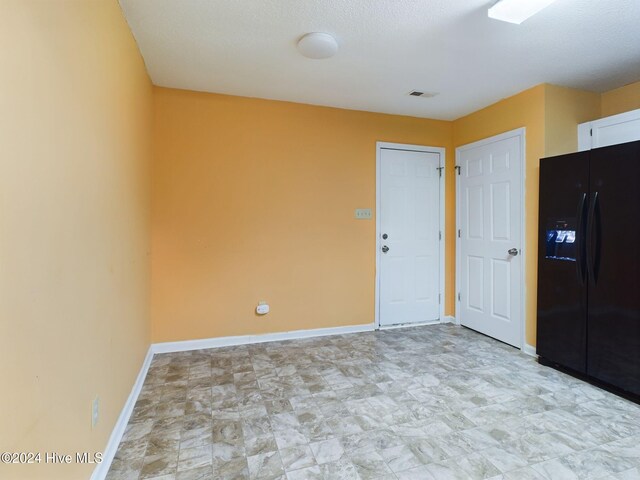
(95,411)
(363,213)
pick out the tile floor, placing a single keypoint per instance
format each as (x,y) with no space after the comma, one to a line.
(434,402)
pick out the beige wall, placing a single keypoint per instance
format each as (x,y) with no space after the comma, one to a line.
(253,200)
(621,99)
(75,131)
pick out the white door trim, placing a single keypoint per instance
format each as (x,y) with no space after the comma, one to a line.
(412,148)
(521,134)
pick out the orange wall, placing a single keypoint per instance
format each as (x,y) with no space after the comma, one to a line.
(75,133)
(621,99)
(248,196)
(253,200)
(526,109)
(550,115)
(565,108)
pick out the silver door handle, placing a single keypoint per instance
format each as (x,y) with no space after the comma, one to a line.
(513,252)
(385,249)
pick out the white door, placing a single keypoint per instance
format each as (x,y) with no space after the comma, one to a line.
(489,222)
(409,236)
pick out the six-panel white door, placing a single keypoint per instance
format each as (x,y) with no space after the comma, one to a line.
(410,253)
(490,244)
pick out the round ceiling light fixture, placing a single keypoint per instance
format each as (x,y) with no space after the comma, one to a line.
(317,45)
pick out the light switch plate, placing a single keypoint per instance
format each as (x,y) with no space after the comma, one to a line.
(363,213)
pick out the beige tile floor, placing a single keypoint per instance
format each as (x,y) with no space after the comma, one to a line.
(433,402)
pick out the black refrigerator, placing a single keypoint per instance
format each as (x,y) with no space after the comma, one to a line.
(589,264)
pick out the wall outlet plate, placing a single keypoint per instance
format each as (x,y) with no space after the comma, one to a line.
(363,213)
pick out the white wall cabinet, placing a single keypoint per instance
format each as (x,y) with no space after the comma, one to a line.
(621,128)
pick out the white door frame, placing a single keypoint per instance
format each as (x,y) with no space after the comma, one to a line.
(521,134)
(412,148)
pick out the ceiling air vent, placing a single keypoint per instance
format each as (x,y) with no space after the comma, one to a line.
(417,93)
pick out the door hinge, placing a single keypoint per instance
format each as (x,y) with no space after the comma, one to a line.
(459,233)
(439,299)
(458,296)
(439,171)
(458,169)
(591,132)
(440,235)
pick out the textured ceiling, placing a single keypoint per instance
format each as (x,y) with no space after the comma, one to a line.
(387,49)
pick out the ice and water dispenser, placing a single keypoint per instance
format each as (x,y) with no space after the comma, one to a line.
(561,240)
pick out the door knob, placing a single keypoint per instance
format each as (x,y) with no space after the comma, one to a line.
(385,236)
(513,252)
(385,249)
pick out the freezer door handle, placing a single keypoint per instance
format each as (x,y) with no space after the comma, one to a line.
(592,239)
(580,254)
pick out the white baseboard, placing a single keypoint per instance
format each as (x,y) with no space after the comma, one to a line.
(183,346)
(529,350)
(100,472)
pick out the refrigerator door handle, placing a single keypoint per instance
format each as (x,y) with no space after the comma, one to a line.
(580,258)
(591,251)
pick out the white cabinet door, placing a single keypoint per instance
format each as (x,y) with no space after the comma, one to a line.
(621,128)
(409,230)
(490,244)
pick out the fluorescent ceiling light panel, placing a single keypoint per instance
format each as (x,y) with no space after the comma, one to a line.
(517,11)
